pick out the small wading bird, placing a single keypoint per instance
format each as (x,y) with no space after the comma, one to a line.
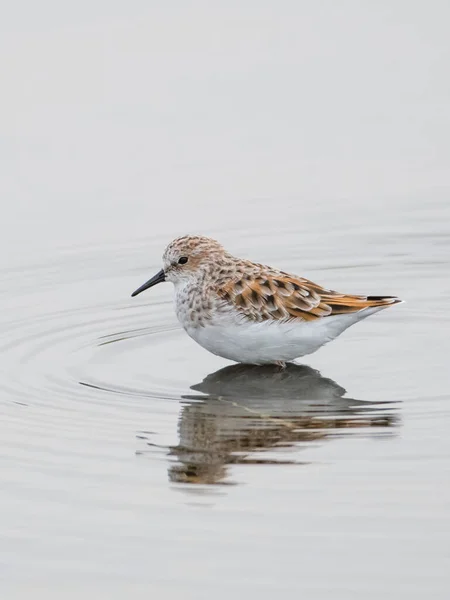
(251,313)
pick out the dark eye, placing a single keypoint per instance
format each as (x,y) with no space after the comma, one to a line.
(183,260)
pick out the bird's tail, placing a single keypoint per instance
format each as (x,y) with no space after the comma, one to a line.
(344,304)
(382,300)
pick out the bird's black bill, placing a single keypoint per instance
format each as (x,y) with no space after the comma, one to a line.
(158,278)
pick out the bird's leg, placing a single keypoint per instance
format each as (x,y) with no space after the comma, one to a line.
(281,364)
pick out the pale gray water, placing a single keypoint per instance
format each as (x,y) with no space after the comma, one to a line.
(313,138)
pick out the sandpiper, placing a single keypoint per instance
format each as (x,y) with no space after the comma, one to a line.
(252,313)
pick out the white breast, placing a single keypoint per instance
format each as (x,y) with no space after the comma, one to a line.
(268,342)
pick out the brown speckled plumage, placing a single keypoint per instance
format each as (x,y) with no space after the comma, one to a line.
(257,292)
(270,294)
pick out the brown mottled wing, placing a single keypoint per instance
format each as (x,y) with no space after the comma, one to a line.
(285,297)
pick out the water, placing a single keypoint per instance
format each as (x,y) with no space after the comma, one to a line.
(133,461)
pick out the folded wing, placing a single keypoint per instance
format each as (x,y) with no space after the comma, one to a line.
(285,297)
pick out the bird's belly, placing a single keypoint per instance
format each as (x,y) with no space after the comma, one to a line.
(268,342)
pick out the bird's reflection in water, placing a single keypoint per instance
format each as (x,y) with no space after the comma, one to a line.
(244,411)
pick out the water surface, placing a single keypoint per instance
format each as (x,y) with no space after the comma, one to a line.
(133,462)
(132,456)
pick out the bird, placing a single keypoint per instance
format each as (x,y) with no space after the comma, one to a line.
(251,313)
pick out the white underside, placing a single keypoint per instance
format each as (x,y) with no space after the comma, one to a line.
(269,342)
